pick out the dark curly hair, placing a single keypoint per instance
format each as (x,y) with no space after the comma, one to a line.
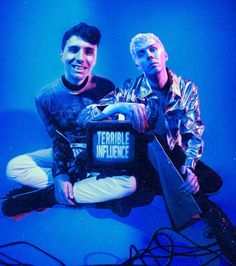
(86,32)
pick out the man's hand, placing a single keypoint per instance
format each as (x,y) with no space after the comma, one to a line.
(63,189)
(136,112)
(191,184)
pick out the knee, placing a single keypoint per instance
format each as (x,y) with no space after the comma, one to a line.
(131,184)
(18,165)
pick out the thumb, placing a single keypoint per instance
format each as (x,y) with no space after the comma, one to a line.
(183,169)
(70,190)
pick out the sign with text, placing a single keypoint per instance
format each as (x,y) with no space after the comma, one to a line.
(111,144)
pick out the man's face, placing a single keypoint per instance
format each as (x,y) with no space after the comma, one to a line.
(150,57)
(79,58)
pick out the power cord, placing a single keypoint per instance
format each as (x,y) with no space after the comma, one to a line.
(17,262)
(150,252)
(154,247)
(170,249)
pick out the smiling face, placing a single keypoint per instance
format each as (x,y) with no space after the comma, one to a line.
(79,58)
(149,54)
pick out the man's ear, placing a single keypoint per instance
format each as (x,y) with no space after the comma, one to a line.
(61,55)
(166,56)
(138,67)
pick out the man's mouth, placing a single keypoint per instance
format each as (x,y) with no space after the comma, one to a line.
(79,67)
(153,64)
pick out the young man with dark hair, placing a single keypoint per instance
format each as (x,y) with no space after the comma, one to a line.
(65,105)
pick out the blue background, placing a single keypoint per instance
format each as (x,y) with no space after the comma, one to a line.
(199,36)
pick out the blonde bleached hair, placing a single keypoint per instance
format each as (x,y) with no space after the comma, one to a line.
(141,39)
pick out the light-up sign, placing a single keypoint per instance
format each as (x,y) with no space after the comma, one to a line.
(111,144)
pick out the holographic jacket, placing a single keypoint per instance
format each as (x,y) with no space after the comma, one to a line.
(182,115)
(65,112)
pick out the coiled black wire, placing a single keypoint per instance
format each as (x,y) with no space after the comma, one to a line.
(171,250)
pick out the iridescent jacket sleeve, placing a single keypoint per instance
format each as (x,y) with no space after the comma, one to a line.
(191,127)
(182,116)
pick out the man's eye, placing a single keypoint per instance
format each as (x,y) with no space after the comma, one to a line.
(89,51)
(73,49)
(153,49)
(140,54)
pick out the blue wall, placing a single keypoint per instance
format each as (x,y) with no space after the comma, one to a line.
(200,39)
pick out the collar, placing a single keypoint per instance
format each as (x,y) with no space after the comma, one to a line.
(143,88)
(73,87)
(175,87)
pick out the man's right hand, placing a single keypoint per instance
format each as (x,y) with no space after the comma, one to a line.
(63,189)
(136,112)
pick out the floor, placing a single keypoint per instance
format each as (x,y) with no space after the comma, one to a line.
(89,236)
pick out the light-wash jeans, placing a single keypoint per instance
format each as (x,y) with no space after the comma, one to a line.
(35,170)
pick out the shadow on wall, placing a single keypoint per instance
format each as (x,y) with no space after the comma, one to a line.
(21,131)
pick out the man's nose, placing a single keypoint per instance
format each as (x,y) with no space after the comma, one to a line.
(80,55)
(149,54)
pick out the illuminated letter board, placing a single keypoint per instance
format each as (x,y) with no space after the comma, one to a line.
(111,144)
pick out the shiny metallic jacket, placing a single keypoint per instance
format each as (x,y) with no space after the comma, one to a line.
(182,115)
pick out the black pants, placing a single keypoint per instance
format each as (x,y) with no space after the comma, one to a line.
(210,182)
(149,184)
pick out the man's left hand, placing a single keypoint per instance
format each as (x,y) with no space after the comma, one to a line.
(191,184)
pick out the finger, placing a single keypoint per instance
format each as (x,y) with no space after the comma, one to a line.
(192,188)
(190,177)
(135,119)
(144,116)
(141,119)
(185,184)
(70,190)
(196,189)
(66,195)
(61,196)
(188,183)
(67,201)
(183,169)
(189,190)
(195,182)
